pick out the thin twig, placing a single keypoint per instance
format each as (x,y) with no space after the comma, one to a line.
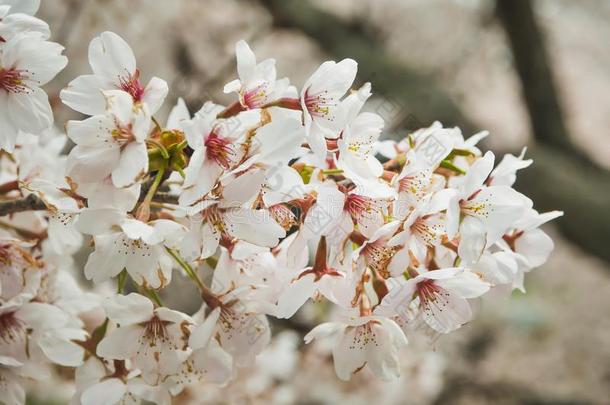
(29,203)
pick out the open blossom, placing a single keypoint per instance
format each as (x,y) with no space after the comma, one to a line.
(441,296)
(98,383)
(114,68)
(217,147)
(320,98)
(17,17)
(528,244)
(241,331)
(371,341)
(154,338)
(481,213)
(257,84)
(359,136)
(27,62)
(111,144)
(122,242)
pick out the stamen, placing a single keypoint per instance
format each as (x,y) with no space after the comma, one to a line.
(257,96)
(219,150)
(11,328)
(131,84)
(13,81)
(319,104)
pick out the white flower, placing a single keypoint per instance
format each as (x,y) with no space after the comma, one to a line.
(241,329)
(97,385)
(114,68)
(16,18)
(208,361)
(216,149)
(33,332)
(530,246)
(424,228)
(226,219)
(358,138)
(154,338)
(319,280)
(320,99)
(122,242)
(27,62)
(371,341)
(257,84)
(111,144)
(441,296)
(482,214)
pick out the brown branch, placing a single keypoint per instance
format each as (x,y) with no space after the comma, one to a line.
(29,203)
(33,203)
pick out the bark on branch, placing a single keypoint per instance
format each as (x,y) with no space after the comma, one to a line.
(29,203)
(33,203)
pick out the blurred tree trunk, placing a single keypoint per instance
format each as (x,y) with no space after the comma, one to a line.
(426,101)
(532,63)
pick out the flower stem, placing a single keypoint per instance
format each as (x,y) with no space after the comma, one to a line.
(143,212)
(152,294)
(332,171)
(158,146)
(207,294)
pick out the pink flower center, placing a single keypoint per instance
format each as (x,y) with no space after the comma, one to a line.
(357,205)
(428,292)
(219,150)
(256,96)
(283,216)
(13,81)
(131,84)
(156,329)
(425,231)
(319,104)
(414,184)
(11,328)
(378,256)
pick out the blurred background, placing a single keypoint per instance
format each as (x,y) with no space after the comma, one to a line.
(532,72)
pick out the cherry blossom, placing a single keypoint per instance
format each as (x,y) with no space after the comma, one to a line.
(371,341)
(111,144)
(441,296)
(114,68)
(275,210)
(27,62)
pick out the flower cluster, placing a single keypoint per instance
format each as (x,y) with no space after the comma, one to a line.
(402,235)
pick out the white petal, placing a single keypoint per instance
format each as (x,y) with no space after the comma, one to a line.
(120,344)
(107,392)
(111,57)
(128,309)
(154,94)
(447,312)
(99,220)
(201,335)
(465,284)
(31,112)
(133,165)
(84,94)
